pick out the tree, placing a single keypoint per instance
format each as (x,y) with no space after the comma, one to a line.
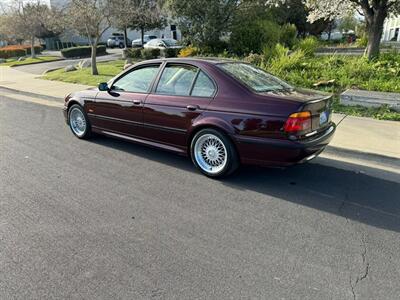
(203,20)
(295,12)
(90,18)
(122,15)
(31,20)
(148,16)
(374,12)
(348,22)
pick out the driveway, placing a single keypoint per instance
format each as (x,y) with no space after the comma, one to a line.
(107,219)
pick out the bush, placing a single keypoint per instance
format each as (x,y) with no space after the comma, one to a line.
(252,35)
(288,35)
(281,60)
(254,59)
(170,52)
(135,53)
(18,51)
(308,45)
(82,51)
(150,53)
(362,41)
(189,51)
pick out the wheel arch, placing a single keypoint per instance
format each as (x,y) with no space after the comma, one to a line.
(70,103)
(216,124)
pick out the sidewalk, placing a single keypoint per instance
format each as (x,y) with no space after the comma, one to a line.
(11,78)
(354,134)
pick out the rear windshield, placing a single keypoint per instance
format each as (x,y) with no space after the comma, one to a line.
(255,78)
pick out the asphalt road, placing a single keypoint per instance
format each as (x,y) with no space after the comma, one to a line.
(106,219)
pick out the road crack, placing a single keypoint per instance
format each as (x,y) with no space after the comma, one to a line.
(365,263)
(364,273)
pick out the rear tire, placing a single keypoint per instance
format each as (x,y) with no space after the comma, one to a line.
(213,153)
(79,122)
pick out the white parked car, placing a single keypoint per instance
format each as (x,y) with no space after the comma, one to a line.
(117,41)
(335,36)
(146,38)
(162,44)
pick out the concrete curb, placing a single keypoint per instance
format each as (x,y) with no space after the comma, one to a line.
(372,157)
(37,62)
(31,94)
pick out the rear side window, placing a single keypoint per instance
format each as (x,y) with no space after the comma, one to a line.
(176,80)
(203,86)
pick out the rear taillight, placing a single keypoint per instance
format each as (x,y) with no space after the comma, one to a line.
(298,122)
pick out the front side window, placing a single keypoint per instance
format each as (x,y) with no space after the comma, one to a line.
(176,80)
(256,79)
(137,81)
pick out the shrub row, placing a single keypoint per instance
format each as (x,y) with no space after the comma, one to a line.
(137,53)
(82,51)
(17,51)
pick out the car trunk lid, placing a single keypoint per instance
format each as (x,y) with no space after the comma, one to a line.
(316,102)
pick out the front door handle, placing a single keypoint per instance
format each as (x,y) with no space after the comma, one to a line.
(137,102)
(192,107)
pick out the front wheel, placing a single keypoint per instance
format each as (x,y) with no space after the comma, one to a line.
(79,122)
(213,153)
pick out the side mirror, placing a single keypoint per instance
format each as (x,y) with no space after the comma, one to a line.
(103,86)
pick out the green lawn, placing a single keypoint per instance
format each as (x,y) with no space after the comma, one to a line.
(14,61)
(107,70)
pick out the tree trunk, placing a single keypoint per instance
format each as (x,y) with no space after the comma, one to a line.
(142,35)
(33,55)
(93,59)
(375,19)
(125,38)
(330,27)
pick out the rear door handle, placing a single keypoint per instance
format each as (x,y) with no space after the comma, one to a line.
(137,102)
(192,107)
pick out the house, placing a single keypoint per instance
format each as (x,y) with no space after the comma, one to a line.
(391,29)
(169,31)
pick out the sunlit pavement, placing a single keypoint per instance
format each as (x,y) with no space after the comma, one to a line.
(106,219)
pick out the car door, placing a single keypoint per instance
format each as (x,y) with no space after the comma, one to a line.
(120,109)
(182,93)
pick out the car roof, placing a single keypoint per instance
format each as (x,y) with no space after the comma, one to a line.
(210,60)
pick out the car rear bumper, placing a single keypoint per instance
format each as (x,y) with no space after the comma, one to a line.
(276,152)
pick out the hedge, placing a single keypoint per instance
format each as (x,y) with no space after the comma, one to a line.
(135,53)
(82,51)
(17,51)
(170,52)
(150,53)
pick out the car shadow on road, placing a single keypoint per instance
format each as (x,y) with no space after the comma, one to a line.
(331,186)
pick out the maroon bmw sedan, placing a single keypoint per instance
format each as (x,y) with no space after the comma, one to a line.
(220,113)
